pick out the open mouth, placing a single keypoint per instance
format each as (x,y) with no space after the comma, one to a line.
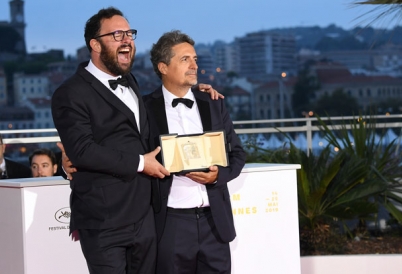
(124,55)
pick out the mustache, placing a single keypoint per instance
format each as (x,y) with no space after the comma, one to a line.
(125,46)
(191,72)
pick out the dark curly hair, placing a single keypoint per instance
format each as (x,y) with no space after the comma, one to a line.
(162,50)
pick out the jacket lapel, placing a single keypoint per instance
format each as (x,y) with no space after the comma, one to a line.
(107,94)
(159,111)
(142,112)
(205,112)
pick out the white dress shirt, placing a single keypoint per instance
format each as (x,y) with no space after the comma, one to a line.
(125,94)
(184,193)
(2,165)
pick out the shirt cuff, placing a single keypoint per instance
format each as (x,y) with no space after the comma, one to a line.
(141,164)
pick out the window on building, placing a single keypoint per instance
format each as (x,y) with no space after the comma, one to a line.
(360,92)
(368,92)
(261,114)
(261,98)
(32,90)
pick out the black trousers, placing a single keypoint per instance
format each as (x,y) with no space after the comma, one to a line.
(129,249)
(190,244)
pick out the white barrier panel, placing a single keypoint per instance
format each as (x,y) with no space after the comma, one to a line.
(34,228)
(352,264)
(34,222)
(264,203)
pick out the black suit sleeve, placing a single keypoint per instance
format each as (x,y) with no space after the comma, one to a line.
(74,113)
(237,155)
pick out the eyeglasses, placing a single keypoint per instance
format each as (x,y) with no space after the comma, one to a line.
(118,35)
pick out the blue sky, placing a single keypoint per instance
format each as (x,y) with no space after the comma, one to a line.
(59,24)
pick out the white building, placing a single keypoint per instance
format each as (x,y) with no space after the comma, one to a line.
(41,107)
(29,87)
(265,54)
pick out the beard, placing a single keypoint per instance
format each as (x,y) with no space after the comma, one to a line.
(110,60)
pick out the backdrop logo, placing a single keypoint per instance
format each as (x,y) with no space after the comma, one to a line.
(63,215)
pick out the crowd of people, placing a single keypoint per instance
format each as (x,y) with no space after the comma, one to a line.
(131,214)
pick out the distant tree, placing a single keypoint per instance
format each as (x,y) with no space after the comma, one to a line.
(392,106)
(304,90)
(242,115)
(227,92)
(337,104)
(326,44)
(344,43)
(350,42)
(232,74)
(26,67)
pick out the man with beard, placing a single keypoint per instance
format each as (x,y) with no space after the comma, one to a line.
(102,123)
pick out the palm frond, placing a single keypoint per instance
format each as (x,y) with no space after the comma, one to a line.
(380,2)
(384,12)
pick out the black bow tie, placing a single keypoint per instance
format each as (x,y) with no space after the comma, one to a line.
(188,102)
(119,81)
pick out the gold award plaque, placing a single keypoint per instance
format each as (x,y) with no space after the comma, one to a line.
(185,153)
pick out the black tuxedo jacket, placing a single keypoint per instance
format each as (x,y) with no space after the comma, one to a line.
(214,116)
(16,170)
(100,136)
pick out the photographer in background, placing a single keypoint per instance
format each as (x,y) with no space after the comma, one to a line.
(43,163)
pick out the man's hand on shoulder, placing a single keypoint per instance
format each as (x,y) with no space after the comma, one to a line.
(215,95)
(152,167)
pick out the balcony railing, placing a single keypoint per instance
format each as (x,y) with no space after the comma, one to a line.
(307,126)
